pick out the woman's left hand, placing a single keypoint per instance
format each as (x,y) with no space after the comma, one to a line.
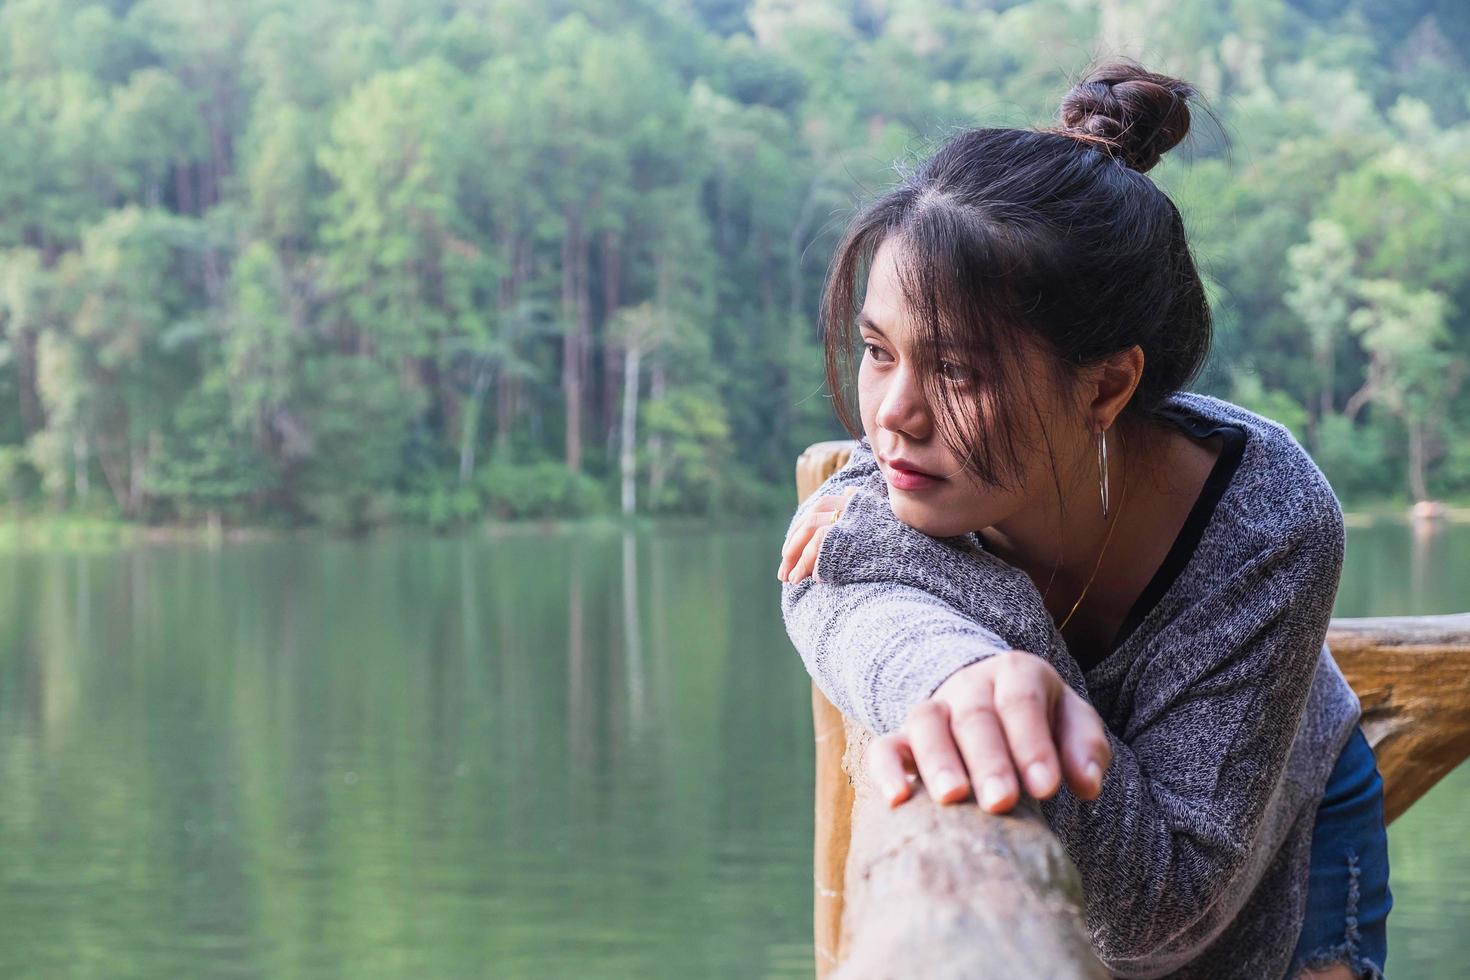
(1005,723)
(799,553)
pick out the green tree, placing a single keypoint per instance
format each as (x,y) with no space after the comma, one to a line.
(1412,373)
(1321,296)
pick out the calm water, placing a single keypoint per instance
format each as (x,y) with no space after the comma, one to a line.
(522,754)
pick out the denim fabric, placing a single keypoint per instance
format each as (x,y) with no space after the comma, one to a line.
(1347,895)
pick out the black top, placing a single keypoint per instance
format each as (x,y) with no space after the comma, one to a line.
(1194,525)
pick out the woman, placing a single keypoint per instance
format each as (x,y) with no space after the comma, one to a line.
(1049,568)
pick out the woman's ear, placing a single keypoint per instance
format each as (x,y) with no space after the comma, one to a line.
(1113,383)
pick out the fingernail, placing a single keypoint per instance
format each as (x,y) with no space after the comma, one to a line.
(1093,772)
(892,791)
(994,792)
(1036,774)
(945,782)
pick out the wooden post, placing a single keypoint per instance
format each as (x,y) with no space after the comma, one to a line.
(833,831)
(834,792)
(1412,676)
(949,890)
(896,887)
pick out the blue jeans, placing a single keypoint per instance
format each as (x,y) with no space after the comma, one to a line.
(1347,894)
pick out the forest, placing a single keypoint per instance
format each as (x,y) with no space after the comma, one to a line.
(353,264)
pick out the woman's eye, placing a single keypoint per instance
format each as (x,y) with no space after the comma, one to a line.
(950,371)
(873,349)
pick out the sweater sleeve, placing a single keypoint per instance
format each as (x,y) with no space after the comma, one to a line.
(874,647)
(1199,757)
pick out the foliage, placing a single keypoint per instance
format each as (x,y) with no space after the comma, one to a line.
(348,264)
(542,489)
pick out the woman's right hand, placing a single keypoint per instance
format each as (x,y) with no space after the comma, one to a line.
(999,723)
(804,541)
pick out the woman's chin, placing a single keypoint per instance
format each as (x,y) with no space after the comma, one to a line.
(923,518)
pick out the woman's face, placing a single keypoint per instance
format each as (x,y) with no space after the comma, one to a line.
(901,427)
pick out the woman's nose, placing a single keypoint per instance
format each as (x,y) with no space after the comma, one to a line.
(902,407)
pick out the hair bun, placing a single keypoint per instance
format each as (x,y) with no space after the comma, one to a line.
(1132,114)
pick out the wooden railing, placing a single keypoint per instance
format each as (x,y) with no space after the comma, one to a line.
(950,890)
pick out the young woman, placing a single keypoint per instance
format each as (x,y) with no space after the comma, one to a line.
(1048,568)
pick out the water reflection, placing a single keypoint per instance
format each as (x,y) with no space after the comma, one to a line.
(632,630)
(523,753)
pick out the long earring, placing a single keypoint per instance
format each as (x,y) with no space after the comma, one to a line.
(1102,469)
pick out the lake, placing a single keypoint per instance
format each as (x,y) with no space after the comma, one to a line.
(530,751)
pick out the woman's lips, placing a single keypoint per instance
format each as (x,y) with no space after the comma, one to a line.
(904,479)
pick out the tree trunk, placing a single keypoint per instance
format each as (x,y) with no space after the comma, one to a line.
(612,366)
(1325,370)
(796,247)
(571,349)
(656,467)
(32,414)
(137,476)
(507,388)
(505,411)
(183,187)
(82,483)
(628,460)
(584,319)
(112,474)
(469,423)
(1417,485)
(1369,390)
(219,153)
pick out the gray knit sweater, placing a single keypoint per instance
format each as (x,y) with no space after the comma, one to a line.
(1224,708)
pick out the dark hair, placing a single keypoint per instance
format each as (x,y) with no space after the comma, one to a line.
(1050,238)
